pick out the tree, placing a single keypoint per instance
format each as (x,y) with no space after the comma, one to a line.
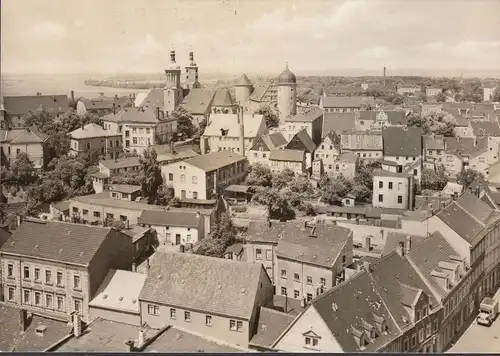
(185,127)
(441,123)
(440,97)
(282,179)
(259,175)
(467,176)
(496,95)
(150,176)
(277,203)
(221,236)
(23,170)
(433,179)
(164,195)
(333,190)
(301,185)
(130,177)
(270,115)
(202,125)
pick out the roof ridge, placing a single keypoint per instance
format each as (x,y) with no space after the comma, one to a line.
(467,212)
(356,275)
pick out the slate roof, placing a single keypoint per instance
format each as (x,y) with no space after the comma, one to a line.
(338,122)
(104,199)
(169,218)
(262,232)
(65,242)
(154,98)
(400,141)
(4,235)
(485,128)
(20,105)
(229,122)
(433,142)
(274,140)
(394,238)
(243,81)
(11,339)
(460,221)
(347,156)
(474,206)
(287,155)
(139,99)
(90,131)
(198,101)
(120,291)
(384,173)
(427,255)
(306,140)
(354,299)
(215,160)
(346,101)
(222,98)
(208,284)
(125,162)
(322,249)
(398,283)
(259,91)
(271,325)
(462,121)
(397,117)
(309,116)
(465,145)
(61,205)
(148,115)
(22,136)
(105,103)
(364,140)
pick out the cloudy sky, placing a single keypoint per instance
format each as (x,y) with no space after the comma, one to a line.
(231,36)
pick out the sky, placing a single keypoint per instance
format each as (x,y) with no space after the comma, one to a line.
(257,36)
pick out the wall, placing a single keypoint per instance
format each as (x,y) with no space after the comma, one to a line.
(97,144)
(36,152)
(457,242)
(162,232)
(268,259)
(115,315)
(261,157)
(310,320)
(131,215)
(297,167)
(144,135)
(194,180)
(400,187)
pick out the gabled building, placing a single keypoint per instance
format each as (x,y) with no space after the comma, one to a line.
(392,190)
(327,152)
(24,140)
(338,123)
(217,298)
(376,120)
(340,104)
(301,141)
(202,176)
(15,107)
(292,159)
(56,268)
(311,121)
(261,149)
(464,153)
(102,105)
(94,140)
(403,146)
(463,127)
(490,130)
(434,148)
(223,132)
(346,164)
(366,145)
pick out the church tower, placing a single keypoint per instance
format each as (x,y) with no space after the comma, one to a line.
(173,93)
(192,73)
(242,90)
(287,94)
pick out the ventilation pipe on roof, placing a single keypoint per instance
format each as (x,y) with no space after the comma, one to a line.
(129,346)
(73,95)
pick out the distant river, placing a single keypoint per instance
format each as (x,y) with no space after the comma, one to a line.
(60,84)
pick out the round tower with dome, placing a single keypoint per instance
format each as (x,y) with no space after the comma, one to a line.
(287,94)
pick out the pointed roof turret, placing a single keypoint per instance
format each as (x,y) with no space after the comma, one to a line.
(287,77)
(243,81)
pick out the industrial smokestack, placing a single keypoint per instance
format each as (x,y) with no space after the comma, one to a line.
(72,95)
(384,76)
(242,131)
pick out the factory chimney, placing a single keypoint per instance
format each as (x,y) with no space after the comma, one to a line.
(384,76)
(242,131)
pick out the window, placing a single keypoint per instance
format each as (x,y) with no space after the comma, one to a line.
(59,279)
(415,172)
(424,311)
(48,276)
(110,144)
(18,151)
(406,345)
(134,140)
(296,277)
(435,325)
(88,146)
(153,309)
(97,214)
(48,301)
(38,298)
(60,303)
(183,178)
(76,282)
(26,296)
(428,330)
(26,272)
(37,274)
(309,280)
(283,273)
(421,335)
(309,297)
(296,294)
(283,291)
(258,254)
(390,185)
(232,325)
(208,320)
(134,130)
(148,130)
(413,340)
(12,294)
(323,281)
(380,184)
(269,255)
(85,212)
(311,341)
(380,198)
(187,316)
(173,313)
(400,199)
(417,317)
(141,130)
(195,195)
(10,270)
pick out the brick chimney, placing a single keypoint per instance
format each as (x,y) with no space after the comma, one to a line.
(77,324)
(23,320)
(400,248)
(408,245)
(368,242)
(141,339)
(129,345)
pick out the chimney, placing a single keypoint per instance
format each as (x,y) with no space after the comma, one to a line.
(478,191)
(303,303)
(305,224)
(148,265)
(215,181)
(408,245)
(19,220)
(130,346)
(23,319)
(77,324)
(158,112)
(141,338)
(384,76)
(242,132)
(127,224)
(368,243)
(54,98)
(172,148)
(114,109)
(400,249)
(134,267)
(72,95)
(367,266)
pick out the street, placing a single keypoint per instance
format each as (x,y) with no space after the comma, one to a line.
(479,339)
